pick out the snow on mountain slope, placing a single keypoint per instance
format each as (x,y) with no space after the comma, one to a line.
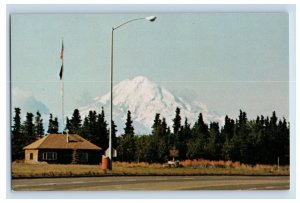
(144,99)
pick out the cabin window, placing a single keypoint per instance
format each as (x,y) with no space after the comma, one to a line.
(31,156)
(49,156)
(83,157)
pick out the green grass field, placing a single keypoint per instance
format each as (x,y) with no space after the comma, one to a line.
(196,167)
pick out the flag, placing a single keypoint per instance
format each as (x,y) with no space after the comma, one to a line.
(61,57)
(61,71)
(62,51)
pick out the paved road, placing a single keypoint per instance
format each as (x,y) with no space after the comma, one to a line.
(154,183)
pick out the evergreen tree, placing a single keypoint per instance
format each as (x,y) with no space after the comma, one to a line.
(160,128)
(85,131)
(275,138)
(164,128)
(278,139)
(200,134)
(129,130)
(163,148)
(38,125)
(28,130)
(152,149)
(75,122)
(240,139)
(284,140)
(265,140)
(174,138)
(183,137)
(114,135)
(156,123)
(203,128)
(68,125)
(186,130)
(227,133)
(102,131)
(177,121)
(126,147)
(143,149)
(215,142)
(92,122)
(17,136)
(254,146)
(89,127)
(55,125)
(157,143)
(50,125)
(228,129)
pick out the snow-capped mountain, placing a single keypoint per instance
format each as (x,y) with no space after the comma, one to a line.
(145,98)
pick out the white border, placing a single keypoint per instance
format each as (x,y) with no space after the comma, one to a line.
(108,8)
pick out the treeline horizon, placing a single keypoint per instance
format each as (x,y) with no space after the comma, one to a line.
(264,140)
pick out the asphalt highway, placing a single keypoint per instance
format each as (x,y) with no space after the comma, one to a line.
(131,183)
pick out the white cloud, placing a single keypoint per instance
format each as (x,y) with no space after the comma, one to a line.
(27,102)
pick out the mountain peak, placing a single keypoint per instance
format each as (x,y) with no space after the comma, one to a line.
(144,98)
(140,78)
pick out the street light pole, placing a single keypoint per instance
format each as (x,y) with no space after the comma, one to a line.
(111,100)
(110,148)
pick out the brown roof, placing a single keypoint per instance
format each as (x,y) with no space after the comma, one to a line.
(59,141)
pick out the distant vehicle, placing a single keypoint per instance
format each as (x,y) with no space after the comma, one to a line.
(172,164)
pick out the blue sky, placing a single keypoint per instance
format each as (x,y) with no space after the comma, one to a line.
(229,61)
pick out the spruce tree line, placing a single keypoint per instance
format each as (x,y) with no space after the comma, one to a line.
(24,133)
(262,140)
(93,128)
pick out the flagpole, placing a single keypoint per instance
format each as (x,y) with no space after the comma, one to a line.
(62,85)
(62,100)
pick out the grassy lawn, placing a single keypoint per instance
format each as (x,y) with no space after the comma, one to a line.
(189,167)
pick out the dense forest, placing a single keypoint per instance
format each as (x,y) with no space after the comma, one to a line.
(262,140)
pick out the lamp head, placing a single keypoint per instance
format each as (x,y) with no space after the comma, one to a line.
(151,18)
